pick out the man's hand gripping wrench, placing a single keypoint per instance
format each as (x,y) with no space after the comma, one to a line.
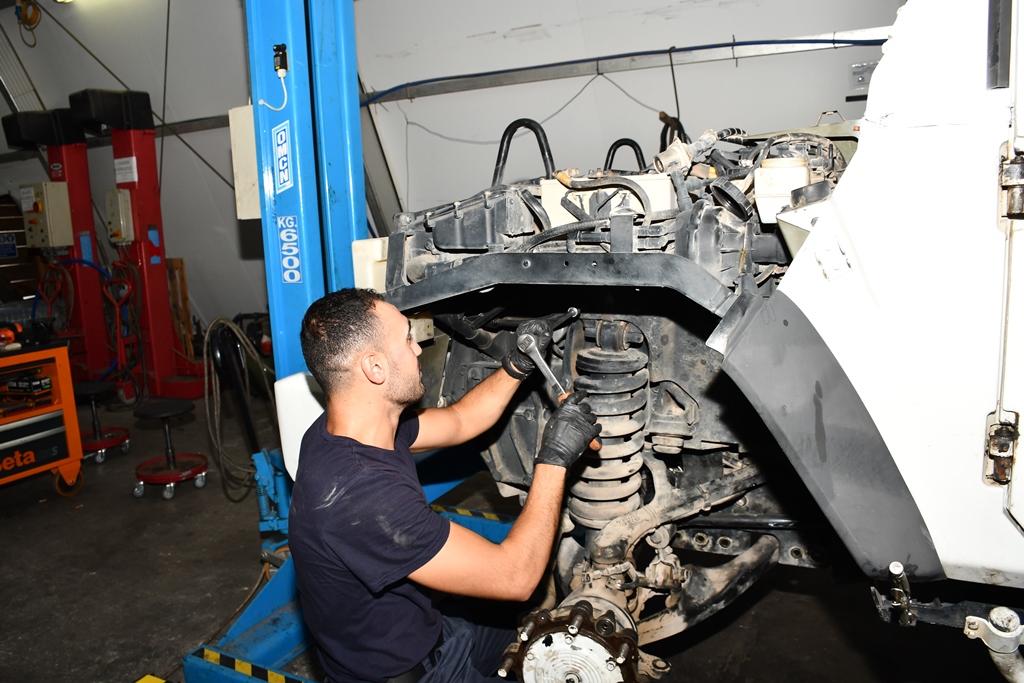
(528,345)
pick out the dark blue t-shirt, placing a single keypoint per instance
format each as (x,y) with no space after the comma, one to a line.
(359,525)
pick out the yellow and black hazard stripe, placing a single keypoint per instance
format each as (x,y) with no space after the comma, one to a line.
(256,672)
(465,512)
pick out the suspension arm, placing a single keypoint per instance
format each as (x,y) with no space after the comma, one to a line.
(615,541)
(708,590)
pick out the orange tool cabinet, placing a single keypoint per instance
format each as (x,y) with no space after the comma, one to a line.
(38,418)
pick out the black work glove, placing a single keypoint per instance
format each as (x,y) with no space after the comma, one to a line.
(568,433)
(523,365)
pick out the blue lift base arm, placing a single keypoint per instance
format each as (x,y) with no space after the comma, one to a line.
(210,665)
(268,635)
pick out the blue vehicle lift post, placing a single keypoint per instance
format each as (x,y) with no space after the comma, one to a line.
(309,154)
(302,71)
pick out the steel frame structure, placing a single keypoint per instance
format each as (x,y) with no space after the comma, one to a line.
(67,162)
(168,372)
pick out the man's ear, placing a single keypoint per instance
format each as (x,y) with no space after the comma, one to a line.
(374,367)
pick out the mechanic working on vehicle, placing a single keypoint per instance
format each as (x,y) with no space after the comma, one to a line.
(364,541)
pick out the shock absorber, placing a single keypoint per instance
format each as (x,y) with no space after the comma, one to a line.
(616,376)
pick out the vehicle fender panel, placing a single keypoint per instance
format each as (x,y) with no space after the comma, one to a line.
(783,366)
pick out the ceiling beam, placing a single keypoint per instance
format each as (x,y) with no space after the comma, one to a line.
(628,62)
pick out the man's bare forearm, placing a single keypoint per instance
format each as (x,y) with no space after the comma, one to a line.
(469,564)
(529,542)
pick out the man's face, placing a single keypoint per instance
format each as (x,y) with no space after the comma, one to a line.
(405,384)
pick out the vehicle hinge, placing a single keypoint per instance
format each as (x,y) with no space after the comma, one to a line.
(1001,436)
(1011,178)
(1002,429)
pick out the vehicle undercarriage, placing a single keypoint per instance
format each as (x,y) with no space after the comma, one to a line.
(689,500)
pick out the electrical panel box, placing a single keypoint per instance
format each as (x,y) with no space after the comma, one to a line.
(243,162)
(120,225)
(47,214)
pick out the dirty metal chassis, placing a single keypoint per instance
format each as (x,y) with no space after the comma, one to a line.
(687,475)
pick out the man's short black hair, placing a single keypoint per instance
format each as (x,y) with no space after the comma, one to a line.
(334,328)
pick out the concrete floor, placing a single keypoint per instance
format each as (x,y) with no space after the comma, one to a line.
(107,587)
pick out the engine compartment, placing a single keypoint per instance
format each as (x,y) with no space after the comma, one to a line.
(689,500)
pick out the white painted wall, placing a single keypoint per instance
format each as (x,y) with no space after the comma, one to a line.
(400,41)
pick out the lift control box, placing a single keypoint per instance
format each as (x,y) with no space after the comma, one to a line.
(47,215)
(120,225)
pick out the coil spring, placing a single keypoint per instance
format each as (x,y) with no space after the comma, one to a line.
(609,483)
(263,500)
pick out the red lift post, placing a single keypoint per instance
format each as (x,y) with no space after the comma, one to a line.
(129,118)
(90,352)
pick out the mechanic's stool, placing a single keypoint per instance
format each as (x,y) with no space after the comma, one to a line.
(171,468)
(96,442)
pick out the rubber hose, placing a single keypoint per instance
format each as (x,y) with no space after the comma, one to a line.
(481,339)
(87,263)
(536,208)
(556,232)
(506,142)
(624,142)
(730,133)
(765,147)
